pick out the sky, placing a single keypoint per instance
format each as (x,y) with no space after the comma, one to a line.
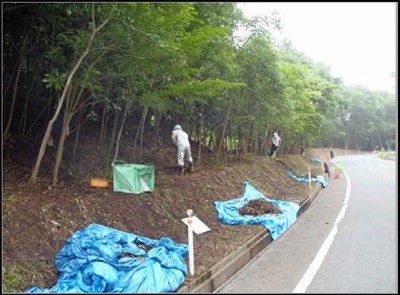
(357,40)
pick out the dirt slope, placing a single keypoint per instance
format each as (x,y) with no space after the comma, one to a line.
(38,221)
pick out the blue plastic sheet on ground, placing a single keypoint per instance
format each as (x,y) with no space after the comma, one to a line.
(228,212)
(315,160)
(100,259)
(319,179)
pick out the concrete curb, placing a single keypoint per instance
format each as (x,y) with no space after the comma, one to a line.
(225,269)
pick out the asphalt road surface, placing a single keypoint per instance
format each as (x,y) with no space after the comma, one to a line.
(346,242)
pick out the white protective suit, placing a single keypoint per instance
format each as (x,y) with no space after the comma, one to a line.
(181,140)
(276,140)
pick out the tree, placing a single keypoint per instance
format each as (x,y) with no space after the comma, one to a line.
(95,30)
(24,43)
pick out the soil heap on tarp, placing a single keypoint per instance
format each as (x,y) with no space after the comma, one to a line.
(259,207)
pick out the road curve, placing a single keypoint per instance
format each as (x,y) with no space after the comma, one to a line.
(346,242)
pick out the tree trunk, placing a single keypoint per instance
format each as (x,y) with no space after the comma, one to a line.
(103,131)
(266,140)
(33,179)
(200,134)
(141,132)
(36,120)
(155,126)
(211,142)
(225,125)
(387,143)
(112,140)
(10,116)
(120,133)
(9,82)
(68,114)
(380,143)
(60,149)
(258,145)
(22,124)
(77,136)
(22,53)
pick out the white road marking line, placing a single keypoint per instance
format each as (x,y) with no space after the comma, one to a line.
(319,258)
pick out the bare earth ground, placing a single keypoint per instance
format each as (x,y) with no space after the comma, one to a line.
(38,221)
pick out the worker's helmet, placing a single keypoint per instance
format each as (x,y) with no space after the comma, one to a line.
(177,127)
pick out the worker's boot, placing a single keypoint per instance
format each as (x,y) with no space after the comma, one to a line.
(181,170)
(191,169)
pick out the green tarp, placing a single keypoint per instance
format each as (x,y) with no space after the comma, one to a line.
(132,178)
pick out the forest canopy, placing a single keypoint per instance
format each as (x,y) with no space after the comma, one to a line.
(137,67)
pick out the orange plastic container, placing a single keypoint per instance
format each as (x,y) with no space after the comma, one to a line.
(98,182)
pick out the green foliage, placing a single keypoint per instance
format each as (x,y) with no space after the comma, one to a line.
(181,59)
(55,79)
(195,90)
(372,121)
(261,98)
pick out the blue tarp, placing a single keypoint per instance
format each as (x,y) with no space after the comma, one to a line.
(319,179)
(315,160)
(101,259)
(228,212)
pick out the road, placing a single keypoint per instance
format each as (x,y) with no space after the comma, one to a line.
(346,242)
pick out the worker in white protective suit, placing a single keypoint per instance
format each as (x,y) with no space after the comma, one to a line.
(181,141)
(276,140)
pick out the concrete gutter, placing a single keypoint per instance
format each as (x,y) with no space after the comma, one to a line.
(225,269)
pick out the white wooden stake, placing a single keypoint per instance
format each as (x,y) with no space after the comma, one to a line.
(189,212)
(309,176)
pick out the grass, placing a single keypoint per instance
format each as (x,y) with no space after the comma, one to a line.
(13,199)
(387,156)
(11,203)
(12,278)
(19,275)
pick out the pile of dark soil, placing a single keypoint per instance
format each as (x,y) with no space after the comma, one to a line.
(259,207)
